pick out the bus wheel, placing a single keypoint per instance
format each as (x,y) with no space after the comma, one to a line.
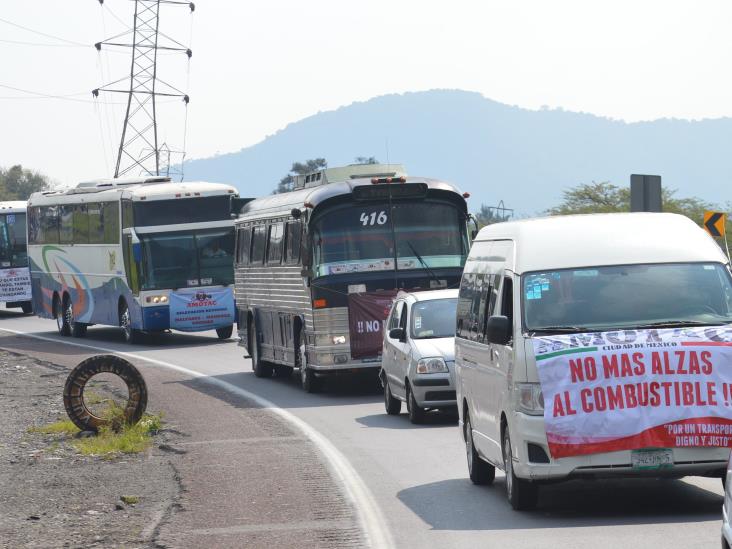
(76,329)
(129,334)
(309,382)
(259,366)
(58,313)
(225,332)
(27,307)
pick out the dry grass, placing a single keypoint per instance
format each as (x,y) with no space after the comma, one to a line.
(62,427)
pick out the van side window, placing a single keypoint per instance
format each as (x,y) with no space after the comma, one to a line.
(488,303)
(507,301)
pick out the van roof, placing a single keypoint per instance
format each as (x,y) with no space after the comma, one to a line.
(563,242)
(427,295)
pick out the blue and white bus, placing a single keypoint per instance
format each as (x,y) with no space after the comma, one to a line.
(15,286)
(144,254)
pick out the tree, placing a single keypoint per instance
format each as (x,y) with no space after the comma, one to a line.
(605,197)
(365,160)
(299,168)
(489,215)
(17,183)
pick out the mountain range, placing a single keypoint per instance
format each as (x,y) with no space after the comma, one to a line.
(525,158)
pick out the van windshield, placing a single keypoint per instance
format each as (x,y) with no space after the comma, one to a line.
(627,296)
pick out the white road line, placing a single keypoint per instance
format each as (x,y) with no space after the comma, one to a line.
(373,522)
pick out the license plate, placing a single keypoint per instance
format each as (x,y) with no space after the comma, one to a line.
(660,458)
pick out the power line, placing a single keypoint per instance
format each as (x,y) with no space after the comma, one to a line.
(42,33)
(46,44)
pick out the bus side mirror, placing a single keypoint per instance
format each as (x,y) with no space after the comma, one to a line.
(137,252)
(498,330)
(305,253)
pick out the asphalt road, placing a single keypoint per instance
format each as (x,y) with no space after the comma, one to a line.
(417,474)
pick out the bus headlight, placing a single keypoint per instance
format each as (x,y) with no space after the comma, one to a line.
(529,398)
(339,340)
(157,299)
(431,366)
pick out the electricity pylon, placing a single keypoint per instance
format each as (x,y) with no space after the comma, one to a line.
(139,147)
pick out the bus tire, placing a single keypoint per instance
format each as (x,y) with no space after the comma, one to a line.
(259,366)
(74,403)
(27,307)
(129,334)
(76,329)
(58,314)
(225,332)
(310,383)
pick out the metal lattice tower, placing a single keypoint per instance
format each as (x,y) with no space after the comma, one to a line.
(139,147)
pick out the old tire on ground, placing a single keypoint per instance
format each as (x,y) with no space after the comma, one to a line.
(225,332)
(392,405)
(522,494)
(481,472)
(77,410)
(27,307)
(259,366)
(58,314)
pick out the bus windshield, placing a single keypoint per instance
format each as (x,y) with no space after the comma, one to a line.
(13,244)
(184,259)
(376,237)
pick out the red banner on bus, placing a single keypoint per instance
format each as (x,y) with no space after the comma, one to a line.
(367,316)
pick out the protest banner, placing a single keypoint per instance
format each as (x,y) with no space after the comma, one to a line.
(608,391)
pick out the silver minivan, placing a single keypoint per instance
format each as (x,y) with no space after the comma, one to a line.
(418,355)
(566,281)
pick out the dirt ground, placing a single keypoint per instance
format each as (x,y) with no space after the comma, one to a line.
(50,495)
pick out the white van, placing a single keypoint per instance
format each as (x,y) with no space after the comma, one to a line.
(598,302)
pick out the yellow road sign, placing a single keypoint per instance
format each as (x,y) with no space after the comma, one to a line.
(714,223)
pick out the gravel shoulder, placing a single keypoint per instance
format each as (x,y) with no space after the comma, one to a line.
(221,473)
(50,495)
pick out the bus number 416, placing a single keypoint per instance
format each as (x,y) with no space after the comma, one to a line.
(373,219)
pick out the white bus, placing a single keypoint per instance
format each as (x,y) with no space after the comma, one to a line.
(143,254)
(15,286)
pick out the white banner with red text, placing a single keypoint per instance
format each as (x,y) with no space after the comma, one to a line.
(609,391)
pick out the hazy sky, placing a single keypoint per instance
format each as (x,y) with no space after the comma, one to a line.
(260,64)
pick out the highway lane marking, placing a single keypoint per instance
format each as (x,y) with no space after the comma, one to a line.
(373,522)
(249,440)
(309,525)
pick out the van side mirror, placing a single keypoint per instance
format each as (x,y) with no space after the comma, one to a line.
(398,333)
(498,330)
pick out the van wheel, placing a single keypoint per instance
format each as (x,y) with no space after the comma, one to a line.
(225,332)
(522,494)
(416,414)
(58,313)
(480,471)
(392,405)
(259,366)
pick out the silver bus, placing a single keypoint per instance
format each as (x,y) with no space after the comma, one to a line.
(317,268)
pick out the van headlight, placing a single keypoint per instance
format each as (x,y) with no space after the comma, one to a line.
(530,399)
(431,366)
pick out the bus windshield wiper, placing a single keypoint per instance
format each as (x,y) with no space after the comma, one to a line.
(423,262)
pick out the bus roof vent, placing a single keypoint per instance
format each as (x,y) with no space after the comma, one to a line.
(106,184)
(346,173)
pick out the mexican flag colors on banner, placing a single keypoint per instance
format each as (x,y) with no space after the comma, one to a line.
(609,391)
